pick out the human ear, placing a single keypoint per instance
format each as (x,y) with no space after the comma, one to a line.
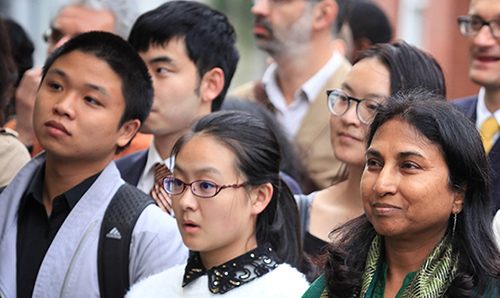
(458,201)
(324,14)
(211,84)
(261,196)
(127,131)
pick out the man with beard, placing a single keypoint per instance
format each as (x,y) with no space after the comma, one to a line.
(299,36)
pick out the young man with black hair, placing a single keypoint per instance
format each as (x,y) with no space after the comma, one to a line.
(190,52)
(94,95)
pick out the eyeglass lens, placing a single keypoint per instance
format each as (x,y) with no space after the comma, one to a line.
(339,104)
(471,25)
(200,188)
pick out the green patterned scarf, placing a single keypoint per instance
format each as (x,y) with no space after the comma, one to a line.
(431,280)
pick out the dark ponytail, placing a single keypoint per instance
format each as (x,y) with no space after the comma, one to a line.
(258,157)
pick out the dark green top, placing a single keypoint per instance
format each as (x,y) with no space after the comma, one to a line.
(377,288)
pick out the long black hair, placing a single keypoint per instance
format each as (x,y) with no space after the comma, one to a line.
(461,147)
(409,67)
(258,157)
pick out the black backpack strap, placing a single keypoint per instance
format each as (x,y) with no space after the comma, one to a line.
(2,188)
(303,206)
(114,240)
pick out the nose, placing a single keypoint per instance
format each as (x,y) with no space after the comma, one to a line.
(187,200)
(65,106)
(386,183)
(484,37)
(260,7)
(350,117)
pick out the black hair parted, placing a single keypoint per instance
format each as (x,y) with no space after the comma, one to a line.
(136,84)
(258,157)
(209,37)
(409,67)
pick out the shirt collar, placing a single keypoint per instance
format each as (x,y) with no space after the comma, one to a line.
(72,196)
(154,158)
(35,187)
(313,85)
(228,276)
(482,112)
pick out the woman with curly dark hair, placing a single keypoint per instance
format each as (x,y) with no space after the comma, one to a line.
(426,231)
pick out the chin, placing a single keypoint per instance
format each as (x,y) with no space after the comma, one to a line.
(484,78)
(349,160)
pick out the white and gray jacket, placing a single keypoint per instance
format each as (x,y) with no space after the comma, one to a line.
(69,268)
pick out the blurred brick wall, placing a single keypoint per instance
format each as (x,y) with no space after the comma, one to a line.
(442,40)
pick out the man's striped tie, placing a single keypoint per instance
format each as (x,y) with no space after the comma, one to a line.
(158,193)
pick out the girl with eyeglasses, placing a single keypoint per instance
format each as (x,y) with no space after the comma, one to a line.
(234,212)
(379,72)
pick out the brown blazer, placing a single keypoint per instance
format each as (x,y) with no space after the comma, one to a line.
(313,137)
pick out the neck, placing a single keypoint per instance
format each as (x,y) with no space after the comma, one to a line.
(347,193)
(492,99)
(61,176)
(405,256)
(165,143)
(353,185)
(294,69)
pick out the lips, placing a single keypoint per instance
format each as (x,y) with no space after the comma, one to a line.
(348,137)
(190,226)
(262,28)
(484,59)
(260,31)
(384,209)
(56,128)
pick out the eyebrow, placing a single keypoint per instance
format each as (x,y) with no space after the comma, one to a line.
(57,71)
(369,95)
(61,73)
(400,155)
(199,171)
(164,59)
(410,153)
(98,89)
(373,152)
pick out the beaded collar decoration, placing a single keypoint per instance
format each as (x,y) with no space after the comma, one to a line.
(234,273)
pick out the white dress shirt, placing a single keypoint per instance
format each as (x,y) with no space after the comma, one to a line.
(482,113)
(147,179)
(291,116)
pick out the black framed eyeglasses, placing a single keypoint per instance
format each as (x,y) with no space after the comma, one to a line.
(339,103)
(200,188)
(471,25)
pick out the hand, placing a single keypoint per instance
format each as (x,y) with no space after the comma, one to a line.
(25,101)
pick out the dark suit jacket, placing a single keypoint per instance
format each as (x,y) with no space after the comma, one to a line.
(468,106)
(131,166)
